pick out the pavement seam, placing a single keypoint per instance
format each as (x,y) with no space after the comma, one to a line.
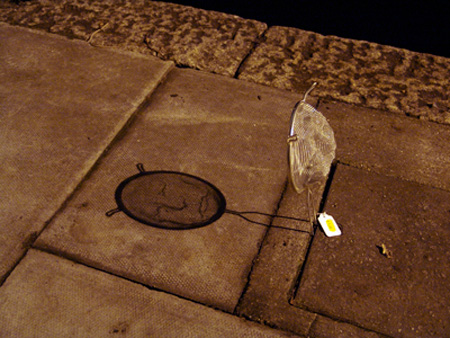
(27,243)
(255,44)
(300,271)
(247,284)
(271,325)
(20,19)
(73,259)
(317,314)
(380,334)
(264,321)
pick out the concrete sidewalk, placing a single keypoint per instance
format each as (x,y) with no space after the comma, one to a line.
(76,119)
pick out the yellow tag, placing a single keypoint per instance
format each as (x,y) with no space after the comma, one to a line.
(330,225)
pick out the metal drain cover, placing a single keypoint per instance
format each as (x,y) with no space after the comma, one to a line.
(169,199)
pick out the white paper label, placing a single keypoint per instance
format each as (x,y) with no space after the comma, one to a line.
(329,225)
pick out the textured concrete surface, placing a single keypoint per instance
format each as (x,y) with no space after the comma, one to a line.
(353,71)
(195,38)
(228,132)
(267,298)
(52,131)
(69,100)
(273,276)
(48,296)
(402,292)
(390,144)
(328,328)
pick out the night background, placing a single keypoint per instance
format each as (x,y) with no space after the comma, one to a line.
(417,26)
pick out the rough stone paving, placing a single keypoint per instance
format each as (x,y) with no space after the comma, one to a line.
(195,38)
(352,71)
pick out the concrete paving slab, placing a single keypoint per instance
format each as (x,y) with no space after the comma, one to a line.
(388,272)
(61,104)
(352,71)
(196,38)
(230,133)
(49,296)
(392,145)
(324,327)
(273,278)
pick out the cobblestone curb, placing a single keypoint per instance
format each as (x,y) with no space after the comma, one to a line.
(352,71)
(194,38)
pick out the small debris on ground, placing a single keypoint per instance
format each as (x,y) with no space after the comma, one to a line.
(89,40)
(384,251)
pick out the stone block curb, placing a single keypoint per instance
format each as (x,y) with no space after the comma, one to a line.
(352,71)
(195,38)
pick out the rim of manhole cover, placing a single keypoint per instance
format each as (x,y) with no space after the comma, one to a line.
(169,200)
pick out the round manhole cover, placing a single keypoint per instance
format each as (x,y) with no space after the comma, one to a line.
(169,200)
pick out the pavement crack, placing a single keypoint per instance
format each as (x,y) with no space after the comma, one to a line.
(255,44)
